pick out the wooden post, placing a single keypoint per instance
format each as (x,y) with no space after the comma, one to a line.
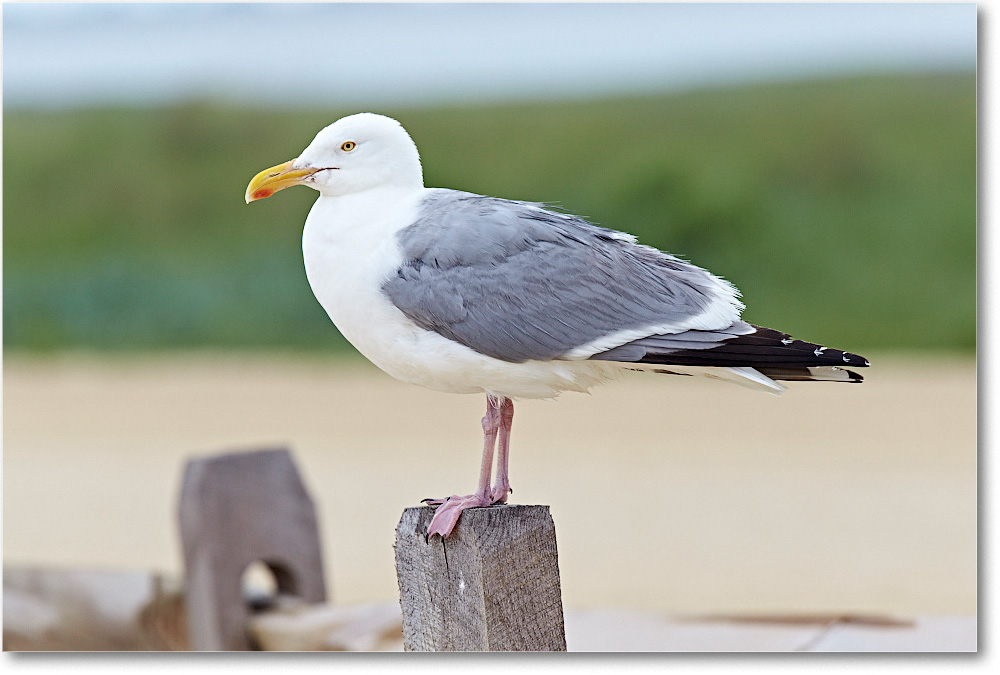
(493,585)
(236,509)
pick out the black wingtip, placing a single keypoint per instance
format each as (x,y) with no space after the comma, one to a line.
(855,360)
(761,348)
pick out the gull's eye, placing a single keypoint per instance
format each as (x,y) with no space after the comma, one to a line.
(347,146)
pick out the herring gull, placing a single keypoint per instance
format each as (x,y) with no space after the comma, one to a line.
(464,293)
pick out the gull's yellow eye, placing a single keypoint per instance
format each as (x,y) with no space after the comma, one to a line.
(347,146)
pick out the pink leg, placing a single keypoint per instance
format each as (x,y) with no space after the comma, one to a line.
(501,487)
(446,516)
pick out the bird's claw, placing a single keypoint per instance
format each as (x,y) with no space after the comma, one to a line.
(500,493)
(447,514)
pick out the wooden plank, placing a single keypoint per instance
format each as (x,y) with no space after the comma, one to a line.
(493,585)
(46,609)
(58,609)
(236,509)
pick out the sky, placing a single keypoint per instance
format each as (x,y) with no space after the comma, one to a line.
(65,55)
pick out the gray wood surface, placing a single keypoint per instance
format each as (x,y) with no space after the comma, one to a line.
(236,509)
(493,585)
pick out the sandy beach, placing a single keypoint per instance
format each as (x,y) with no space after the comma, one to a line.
(669,494)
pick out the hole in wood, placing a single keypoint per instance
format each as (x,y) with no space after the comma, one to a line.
(263,581)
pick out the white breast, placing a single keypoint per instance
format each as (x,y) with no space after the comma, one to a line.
(349,253)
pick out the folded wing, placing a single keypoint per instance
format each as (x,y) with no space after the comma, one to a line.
(517,282)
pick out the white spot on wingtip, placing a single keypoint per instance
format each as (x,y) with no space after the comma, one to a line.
(787,341)
(846,360)
(819,352)
(866,362)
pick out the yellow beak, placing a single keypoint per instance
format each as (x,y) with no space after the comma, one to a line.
(269,181)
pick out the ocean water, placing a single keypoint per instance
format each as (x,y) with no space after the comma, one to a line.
(58,55)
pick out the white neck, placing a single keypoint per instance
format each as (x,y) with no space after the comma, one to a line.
(363,215)
(349,248)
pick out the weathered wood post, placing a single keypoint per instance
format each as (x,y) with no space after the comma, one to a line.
(493,585)
(236,509)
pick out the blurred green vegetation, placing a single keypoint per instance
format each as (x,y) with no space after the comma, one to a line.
(845,210)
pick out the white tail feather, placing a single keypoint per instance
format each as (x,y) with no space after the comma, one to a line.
(743,376)
(747,377)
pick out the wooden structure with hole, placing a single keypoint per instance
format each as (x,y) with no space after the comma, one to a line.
(237,509)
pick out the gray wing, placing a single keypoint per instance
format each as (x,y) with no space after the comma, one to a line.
(516,281)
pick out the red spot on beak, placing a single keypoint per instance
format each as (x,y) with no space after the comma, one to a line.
(262,193)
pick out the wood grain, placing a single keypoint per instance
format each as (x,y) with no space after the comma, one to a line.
(493,585)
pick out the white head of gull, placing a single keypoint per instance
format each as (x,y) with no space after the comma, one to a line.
(464,293)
